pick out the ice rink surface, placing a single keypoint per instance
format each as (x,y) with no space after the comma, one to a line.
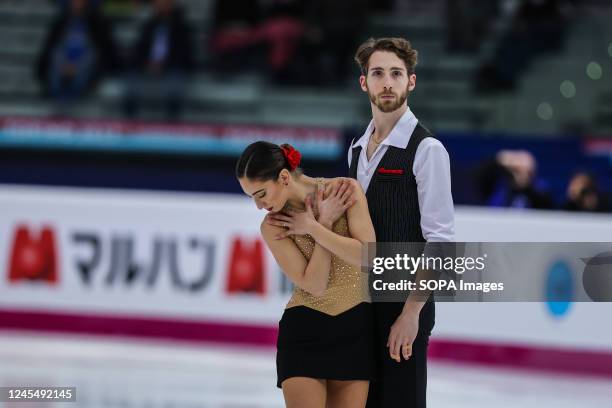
(128,373)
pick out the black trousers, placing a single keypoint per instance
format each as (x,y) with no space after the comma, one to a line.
(403,384)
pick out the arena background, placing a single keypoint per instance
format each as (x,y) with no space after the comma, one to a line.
(131,265)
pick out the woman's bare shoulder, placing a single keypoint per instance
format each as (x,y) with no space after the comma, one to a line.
(335,181)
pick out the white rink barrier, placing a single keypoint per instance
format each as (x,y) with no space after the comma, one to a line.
(193,266)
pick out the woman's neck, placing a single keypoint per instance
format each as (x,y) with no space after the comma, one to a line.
(300,189)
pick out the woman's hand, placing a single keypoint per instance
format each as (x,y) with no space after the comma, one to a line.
(296,223)
(340,198)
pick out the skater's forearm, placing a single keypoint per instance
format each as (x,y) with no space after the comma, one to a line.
(418,297)
(316,274)
(311,274)
(348,249)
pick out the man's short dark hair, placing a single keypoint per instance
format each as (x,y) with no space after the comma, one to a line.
(399,46)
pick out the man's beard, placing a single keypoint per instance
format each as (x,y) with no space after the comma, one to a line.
(389,105)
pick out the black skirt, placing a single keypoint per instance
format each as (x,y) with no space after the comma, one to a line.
(316,345)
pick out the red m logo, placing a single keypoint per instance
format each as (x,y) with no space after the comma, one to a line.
(33,258)
(246,267)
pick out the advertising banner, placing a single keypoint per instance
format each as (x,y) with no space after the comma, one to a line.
(194,266)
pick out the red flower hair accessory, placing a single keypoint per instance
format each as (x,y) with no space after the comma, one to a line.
(293,156)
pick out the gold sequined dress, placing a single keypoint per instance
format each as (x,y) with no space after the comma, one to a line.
(328,337)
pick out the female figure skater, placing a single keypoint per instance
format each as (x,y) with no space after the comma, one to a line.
(317,230)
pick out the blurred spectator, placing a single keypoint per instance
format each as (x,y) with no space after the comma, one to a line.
(510,181)
(78,50)
(538,26)
(282,28)
(305,42)
(467,23)
(331,36)
(233,40)
(162,58)
(277,31)
(583,194)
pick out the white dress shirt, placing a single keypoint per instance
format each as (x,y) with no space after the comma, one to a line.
(431,169)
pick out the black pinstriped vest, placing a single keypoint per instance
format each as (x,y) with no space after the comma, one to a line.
(393,201)
(392,198)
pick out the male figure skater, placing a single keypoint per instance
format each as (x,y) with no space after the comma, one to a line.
(405,173)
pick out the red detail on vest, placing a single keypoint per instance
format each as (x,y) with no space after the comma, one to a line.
(382,170)
(33,258)
(246,267)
